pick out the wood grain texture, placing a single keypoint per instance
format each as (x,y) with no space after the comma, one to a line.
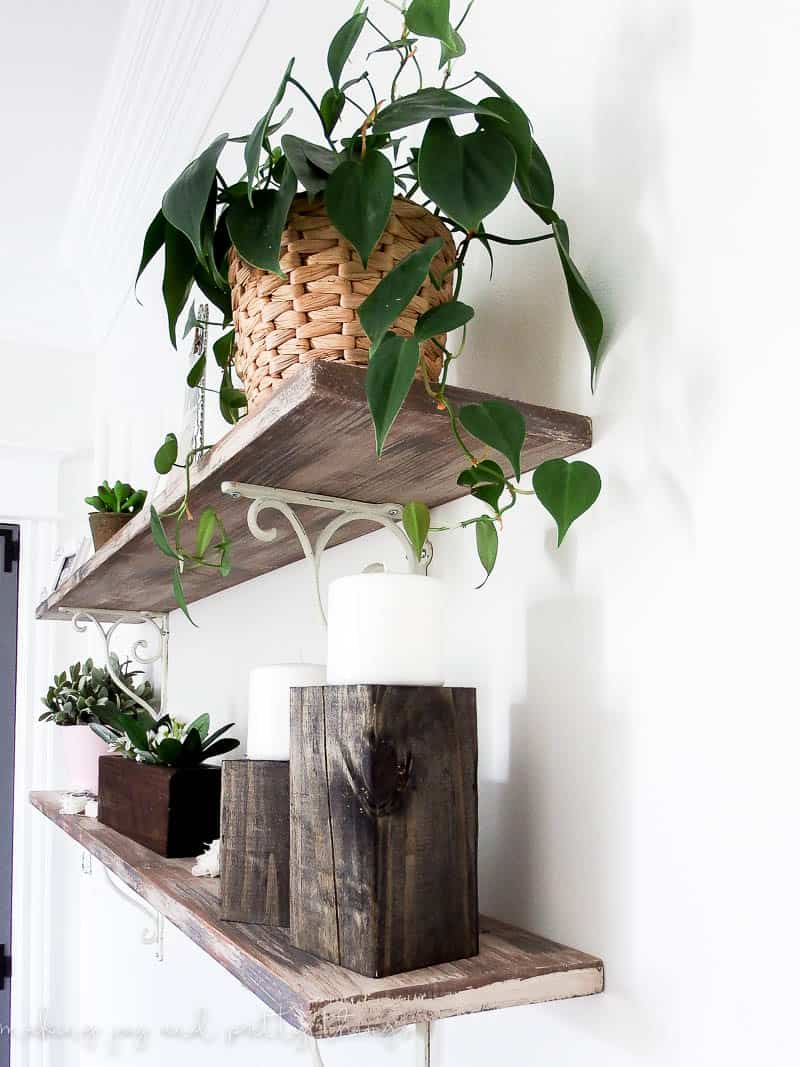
(254,847)
(314,435)
(513,967)
(172,810)
(384,816)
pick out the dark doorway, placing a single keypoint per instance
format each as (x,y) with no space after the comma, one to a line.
(9,602)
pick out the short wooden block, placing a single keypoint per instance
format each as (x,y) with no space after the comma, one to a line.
(384,825)
(254,842)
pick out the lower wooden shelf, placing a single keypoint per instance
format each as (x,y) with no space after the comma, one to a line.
(514,967)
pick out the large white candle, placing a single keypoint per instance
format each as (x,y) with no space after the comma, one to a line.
(386,629)
(268,713)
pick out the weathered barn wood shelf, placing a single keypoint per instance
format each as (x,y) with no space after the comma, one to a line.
(513,968)
(315,435)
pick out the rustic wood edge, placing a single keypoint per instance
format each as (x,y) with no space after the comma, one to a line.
(315,380)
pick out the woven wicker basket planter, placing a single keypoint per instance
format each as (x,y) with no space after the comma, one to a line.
(311,314)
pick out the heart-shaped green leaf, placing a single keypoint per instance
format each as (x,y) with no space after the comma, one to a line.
(420,107)
(417,523)
(358,198)
(505,117)
(587,314)
(566,490)
(195,375)
(390,373)
(256,231)
(466,176)
(179,262)
(486,481)
(391,295)
(442,319)
(184,203)
(429,18)
(167,454)
(342,45)
(486,542)
(330,107)
(223,349)
(205,531)
(498,425)
(311,163)
(255,142)
(153,240)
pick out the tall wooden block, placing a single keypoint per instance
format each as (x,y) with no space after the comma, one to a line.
(254,841)
(384,825)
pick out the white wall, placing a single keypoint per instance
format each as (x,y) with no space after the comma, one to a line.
(637,728)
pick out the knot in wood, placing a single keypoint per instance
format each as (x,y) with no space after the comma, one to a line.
(384,776)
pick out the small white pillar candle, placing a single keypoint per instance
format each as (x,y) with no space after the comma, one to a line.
(386,629)
(268,711)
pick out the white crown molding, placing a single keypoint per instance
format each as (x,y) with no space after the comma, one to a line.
(172,63)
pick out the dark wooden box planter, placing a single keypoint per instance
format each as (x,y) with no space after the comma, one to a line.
(172,810)
(254,845)
(384,826)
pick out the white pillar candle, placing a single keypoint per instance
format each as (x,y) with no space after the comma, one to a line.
(268,712)
(386,629)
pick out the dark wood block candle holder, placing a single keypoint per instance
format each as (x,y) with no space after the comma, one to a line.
(384,825)
(254,842)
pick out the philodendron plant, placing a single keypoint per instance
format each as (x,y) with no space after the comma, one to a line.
(165,741)
(378,141)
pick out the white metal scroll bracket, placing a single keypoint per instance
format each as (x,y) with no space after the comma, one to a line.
(284,501)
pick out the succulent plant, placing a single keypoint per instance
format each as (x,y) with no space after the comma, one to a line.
(121,498)
(165,741)
(84,692)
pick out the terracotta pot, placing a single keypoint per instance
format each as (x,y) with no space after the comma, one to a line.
(81,749)
(104,524)
(172,810)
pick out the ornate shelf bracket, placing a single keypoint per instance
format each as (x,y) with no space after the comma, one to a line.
(284,501)
(81,621)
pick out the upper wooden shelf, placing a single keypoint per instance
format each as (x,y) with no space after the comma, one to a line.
(514,967)
(315,435)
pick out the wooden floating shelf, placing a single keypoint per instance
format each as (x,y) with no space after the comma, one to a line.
(514,967)
(315,435)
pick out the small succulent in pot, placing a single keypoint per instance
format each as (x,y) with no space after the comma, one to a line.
(114,506)
(165,741)
(83,693)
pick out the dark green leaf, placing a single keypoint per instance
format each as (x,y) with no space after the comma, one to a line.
(153,240)
(234,398)
(342,45)
(195,375)
(159,534)
(566,490)
(499,425)
(429,18)
(442,319)
(392,294)
(169,751)
(212,737)
(167,455)
(466,176)
(223,349)
(390,372)
(394,46)
(256,231)
(219,748)
(452,48)
(588,316)
(191,749)
(179,263)
(311,163)
(205,531)
(535,184)
(358,199)
(220,298)
(105,494)
(420,107)
(417,523)
(486,541)
(486,481)
(330,107)
(95,502)
(180,597)
(135,501)
(255,142)
(184,203)
(503,116)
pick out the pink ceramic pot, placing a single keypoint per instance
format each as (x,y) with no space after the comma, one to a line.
(80,749)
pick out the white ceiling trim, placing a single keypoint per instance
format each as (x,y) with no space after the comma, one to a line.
(173,61)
